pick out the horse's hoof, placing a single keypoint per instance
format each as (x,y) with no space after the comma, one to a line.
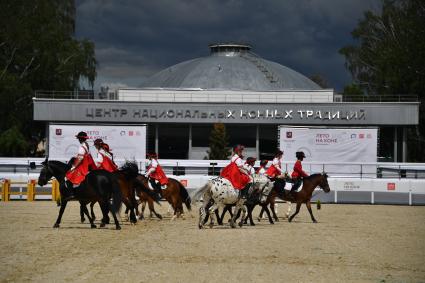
(93,226)
(200,226)
(118,227)
(314,221)
(56,225)
(232,224)
(83,220)
(160,217)
(102,225)
(240,224)
(271,222)
(289,219)
(259,219)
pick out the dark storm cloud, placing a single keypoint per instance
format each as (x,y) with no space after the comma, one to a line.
(135,39)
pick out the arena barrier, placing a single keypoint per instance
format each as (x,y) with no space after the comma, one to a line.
(16,188)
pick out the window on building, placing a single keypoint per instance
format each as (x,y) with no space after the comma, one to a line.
(173,141)
(268,141)
(242,134)
(201,135)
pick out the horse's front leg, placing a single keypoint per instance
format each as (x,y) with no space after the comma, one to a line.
(296,211)
(82,212)
(268,214)
(308,204)
(86,212)
(243,214)
(61,210)
(93,216)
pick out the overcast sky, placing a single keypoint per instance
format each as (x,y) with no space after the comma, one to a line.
(135,39)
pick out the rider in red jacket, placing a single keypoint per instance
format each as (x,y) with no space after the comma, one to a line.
(104,159)
(298,172)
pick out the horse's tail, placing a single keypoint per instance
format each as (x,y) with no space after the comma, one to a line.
(196,197)
(185,196)
(116,196)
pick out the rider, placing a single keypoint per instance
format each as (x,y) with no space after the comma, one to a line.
(104,159)
(276,168)
(155,173)
(249,165)
(261,171)
(81,165)
(236,173)
(298,172)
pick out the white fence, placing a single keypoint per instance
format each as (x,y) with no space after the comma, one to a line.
(397,183)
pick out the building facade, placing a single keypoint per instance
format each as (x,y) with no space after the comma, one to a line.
(250,95)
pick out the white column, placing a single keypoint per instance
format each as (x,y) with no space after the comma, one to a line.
(189,151)
(156,139)
(395,144)
(404,152)
(257,142)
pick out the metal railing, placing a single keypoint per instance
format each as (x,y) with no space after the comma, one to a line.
(212,167)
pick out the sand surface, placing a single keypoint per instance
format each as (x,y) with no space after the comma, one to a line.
(351,243)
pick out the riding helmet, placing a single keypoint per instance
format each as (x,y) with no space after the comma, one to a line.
(299,154)
(98,142)
(82,135)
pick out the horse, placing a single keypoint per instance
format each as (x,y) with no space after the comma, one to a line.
(175,193)
(305,194)
(145,198)
(99,185)
(127,177)
(277,191)
(219,192)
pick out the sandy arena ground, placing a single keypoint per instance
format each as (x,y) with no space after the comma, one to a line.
(351,243)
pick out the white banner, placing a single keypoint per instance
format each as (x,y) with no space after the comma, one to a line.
(126,142)
(324,145)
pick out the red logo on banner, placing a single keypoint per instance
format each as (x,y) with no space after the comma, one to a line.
(184,182)
(390,186)
(130,133)
(289,135)
(361,136)
(58,132)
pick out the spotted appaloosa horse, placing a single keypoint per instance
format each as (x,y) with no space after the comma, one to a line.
(218,193)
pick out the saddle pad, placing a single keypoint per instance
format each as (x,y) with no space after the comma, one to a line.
(288,187)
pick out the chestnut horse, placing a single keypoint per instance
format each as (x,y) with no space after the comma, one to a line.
(175,193)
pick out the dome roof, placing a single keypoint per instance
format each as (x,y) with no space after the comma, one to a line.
(230,67)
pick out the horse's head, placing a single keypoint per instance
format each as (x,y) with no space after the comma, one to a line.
(45,173)
(324,183)
(130,169)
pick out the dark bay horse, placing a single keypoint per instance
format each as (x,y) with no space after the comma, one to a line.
(99,185)
(304,196)
(175,193)
(146,198)
(127,180)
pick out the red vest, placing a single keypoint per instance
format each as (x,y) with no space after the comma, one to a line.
(159,175)
(78,175)
(232,173)
(107,164)
(298,171)
(272,172)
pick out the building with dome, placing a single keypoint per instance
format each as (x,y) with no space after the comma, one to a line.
(232,85)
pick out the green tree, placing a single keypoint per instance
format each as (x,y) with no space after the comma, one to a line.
(218,143)
(320,80)
(389,58)
(13,143)
(38,51)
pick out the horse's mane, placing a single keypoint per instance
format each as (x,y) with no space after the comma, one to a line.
(130,169)
(315,175)
(57,164)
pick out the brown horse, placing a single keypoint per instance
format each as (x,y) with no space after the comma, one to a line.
(175,193)
(304,196)
(145,198)
(127,180)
